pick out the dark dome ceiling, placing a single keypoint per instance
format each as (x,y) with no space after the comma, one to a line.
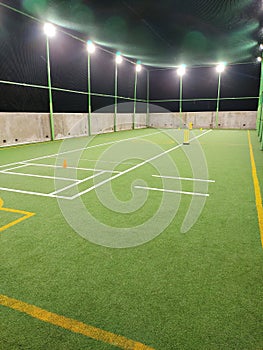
(161,33)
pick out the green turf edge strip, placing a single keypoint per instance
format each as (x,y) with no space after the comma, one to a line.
(258,196)
(72,325)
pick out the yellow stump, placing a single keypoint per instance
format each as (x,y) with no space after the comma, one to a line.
(186,136)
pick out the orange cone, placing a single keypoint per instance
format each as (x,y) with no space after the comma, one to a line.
(65,163)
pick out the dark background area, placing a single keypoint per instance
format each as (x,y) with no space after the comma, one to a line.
(162,35)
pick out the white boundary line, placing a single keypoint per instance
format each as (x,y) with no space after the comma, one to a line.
(136,166)
(105,161)
(172,191)
(33,193)
(69,167)
(39,176)
(15,167)
(77,183)
(182,178)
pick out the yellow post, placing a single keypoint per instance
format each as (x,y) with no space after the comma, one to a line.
(186,137)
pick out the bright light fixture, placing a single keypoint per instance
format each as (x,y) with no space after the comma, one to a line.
(259,59)
(181,70)
(49,30)
(90,46)
(220,67)
(138,66)
(261,46)
(118,57)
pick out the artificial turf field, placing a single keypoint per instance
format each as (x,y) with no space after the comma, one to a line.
(201,289)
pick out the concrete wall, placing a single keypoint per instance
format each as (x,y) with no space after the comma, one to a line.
(226,120)
(18,128)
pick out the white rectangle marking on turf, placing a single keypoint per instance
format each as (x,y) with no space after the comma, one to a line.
(182,178)
(69,167)
(172,191)
(80,149)
(135,166)
(77,183)
(39,176)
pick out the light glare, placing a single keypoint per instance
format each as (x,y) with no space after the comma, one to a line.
(90,46)
(138,66)
(49,30)
(259,59)
(181,70)
(118,58)
(220,67)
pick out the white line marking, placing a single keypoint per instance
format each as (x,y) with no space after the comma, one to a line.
(33,193)
(68,167)
(39,176)
(183,178)
(16,167)
(80,149)
(172,191)
(135,167)
(77,183)
(105,161)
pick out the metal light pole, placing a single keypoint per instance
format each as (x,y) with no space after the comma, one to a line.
(181,73)
(138,68)
(148,100)
(50,31)
(90,49)
(118,60)
(220,69)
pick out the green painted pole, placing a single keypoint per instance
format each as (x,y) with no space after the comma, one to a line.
(135,96)
(148,100)
(181,98)
(116,97)
(218,98)
(260,98)
(89,96)
(50,94)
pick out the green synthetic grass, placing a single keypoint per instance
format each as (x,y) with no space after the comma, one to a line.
(199,290)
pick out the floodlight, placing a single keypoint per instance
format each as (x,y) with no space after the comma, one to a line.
(138,66)
(90,47)
(181,70)
(118,58)
(221,67)
(259,59)
(49,29)
(261,46)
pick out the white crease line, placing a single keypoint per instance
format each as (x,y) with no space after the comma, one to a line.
(77,183)
(16,167)
(32,193)
(39,176)
(135,167)
(105,161)
(81,149)
(183,178)
(172,191)
(68,167)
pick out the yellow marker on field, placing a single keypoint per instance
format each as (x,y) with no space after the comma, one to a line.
(186,137)
(190,126)
(25,216)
